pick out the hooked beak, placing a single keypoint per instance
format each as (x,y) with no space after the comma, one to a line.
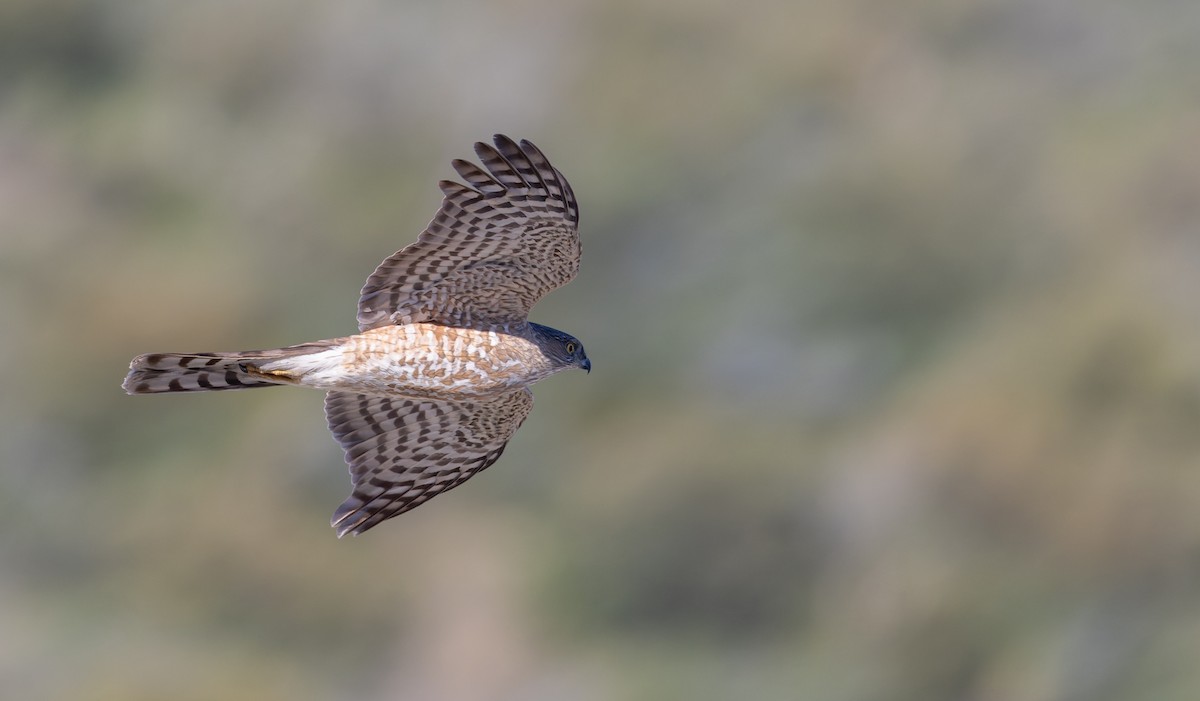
(586,365)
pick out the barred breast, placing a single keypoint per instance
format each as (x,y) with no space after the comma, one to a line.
(434,360)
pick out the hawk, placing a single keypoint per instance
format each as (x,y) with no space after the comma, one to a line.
(436,382)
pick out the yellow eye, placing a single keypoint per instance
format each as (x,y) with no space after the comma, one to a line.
(570,347)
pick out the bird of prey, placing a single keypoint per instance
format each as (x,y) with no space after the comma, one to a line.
(437,380)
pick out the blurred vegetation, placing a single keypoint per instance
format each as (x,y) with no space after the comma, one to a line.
(894,308)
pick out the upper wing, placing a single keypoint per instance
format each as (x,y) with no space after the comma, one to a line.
(403,452)
(497,245)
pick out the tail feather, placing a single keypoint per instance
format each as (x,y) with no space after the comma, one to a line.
(154,373)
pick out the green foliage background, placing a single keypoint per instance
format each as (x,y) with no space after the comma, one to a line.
(894,309)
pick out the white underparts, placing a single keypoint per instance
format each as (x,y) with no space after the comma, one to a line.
(323,369)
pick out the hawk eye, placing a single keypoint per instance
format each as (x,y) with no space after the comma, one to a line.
(570,347)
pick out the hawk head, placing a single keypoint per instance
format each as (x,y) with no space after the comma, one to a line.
(563,349)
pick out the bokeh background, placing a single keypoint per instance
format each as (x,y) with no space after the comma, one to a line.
(894,309)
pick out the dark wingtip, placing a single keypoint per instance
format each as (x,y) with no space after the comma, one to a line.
(502,141)
(530,148)
(483,150)
(345,511)
(351,518)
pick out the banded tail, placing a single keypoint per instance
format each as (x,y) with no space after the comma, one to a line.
(154,373)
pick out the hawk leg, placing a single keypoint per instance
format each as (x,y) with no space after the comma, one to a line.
(270,375)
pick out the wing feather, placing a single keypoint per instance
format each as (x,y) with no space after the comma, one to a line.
(497,245)
(403,452)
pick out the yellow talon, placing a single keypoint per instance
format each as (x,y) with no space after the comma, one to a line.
(255,371)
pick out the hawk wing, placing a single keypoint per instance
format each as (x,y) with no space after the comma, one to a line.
(497,245)
(403,452)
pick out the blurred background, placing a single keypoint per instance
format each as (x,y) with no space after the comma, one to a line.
(894,310)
